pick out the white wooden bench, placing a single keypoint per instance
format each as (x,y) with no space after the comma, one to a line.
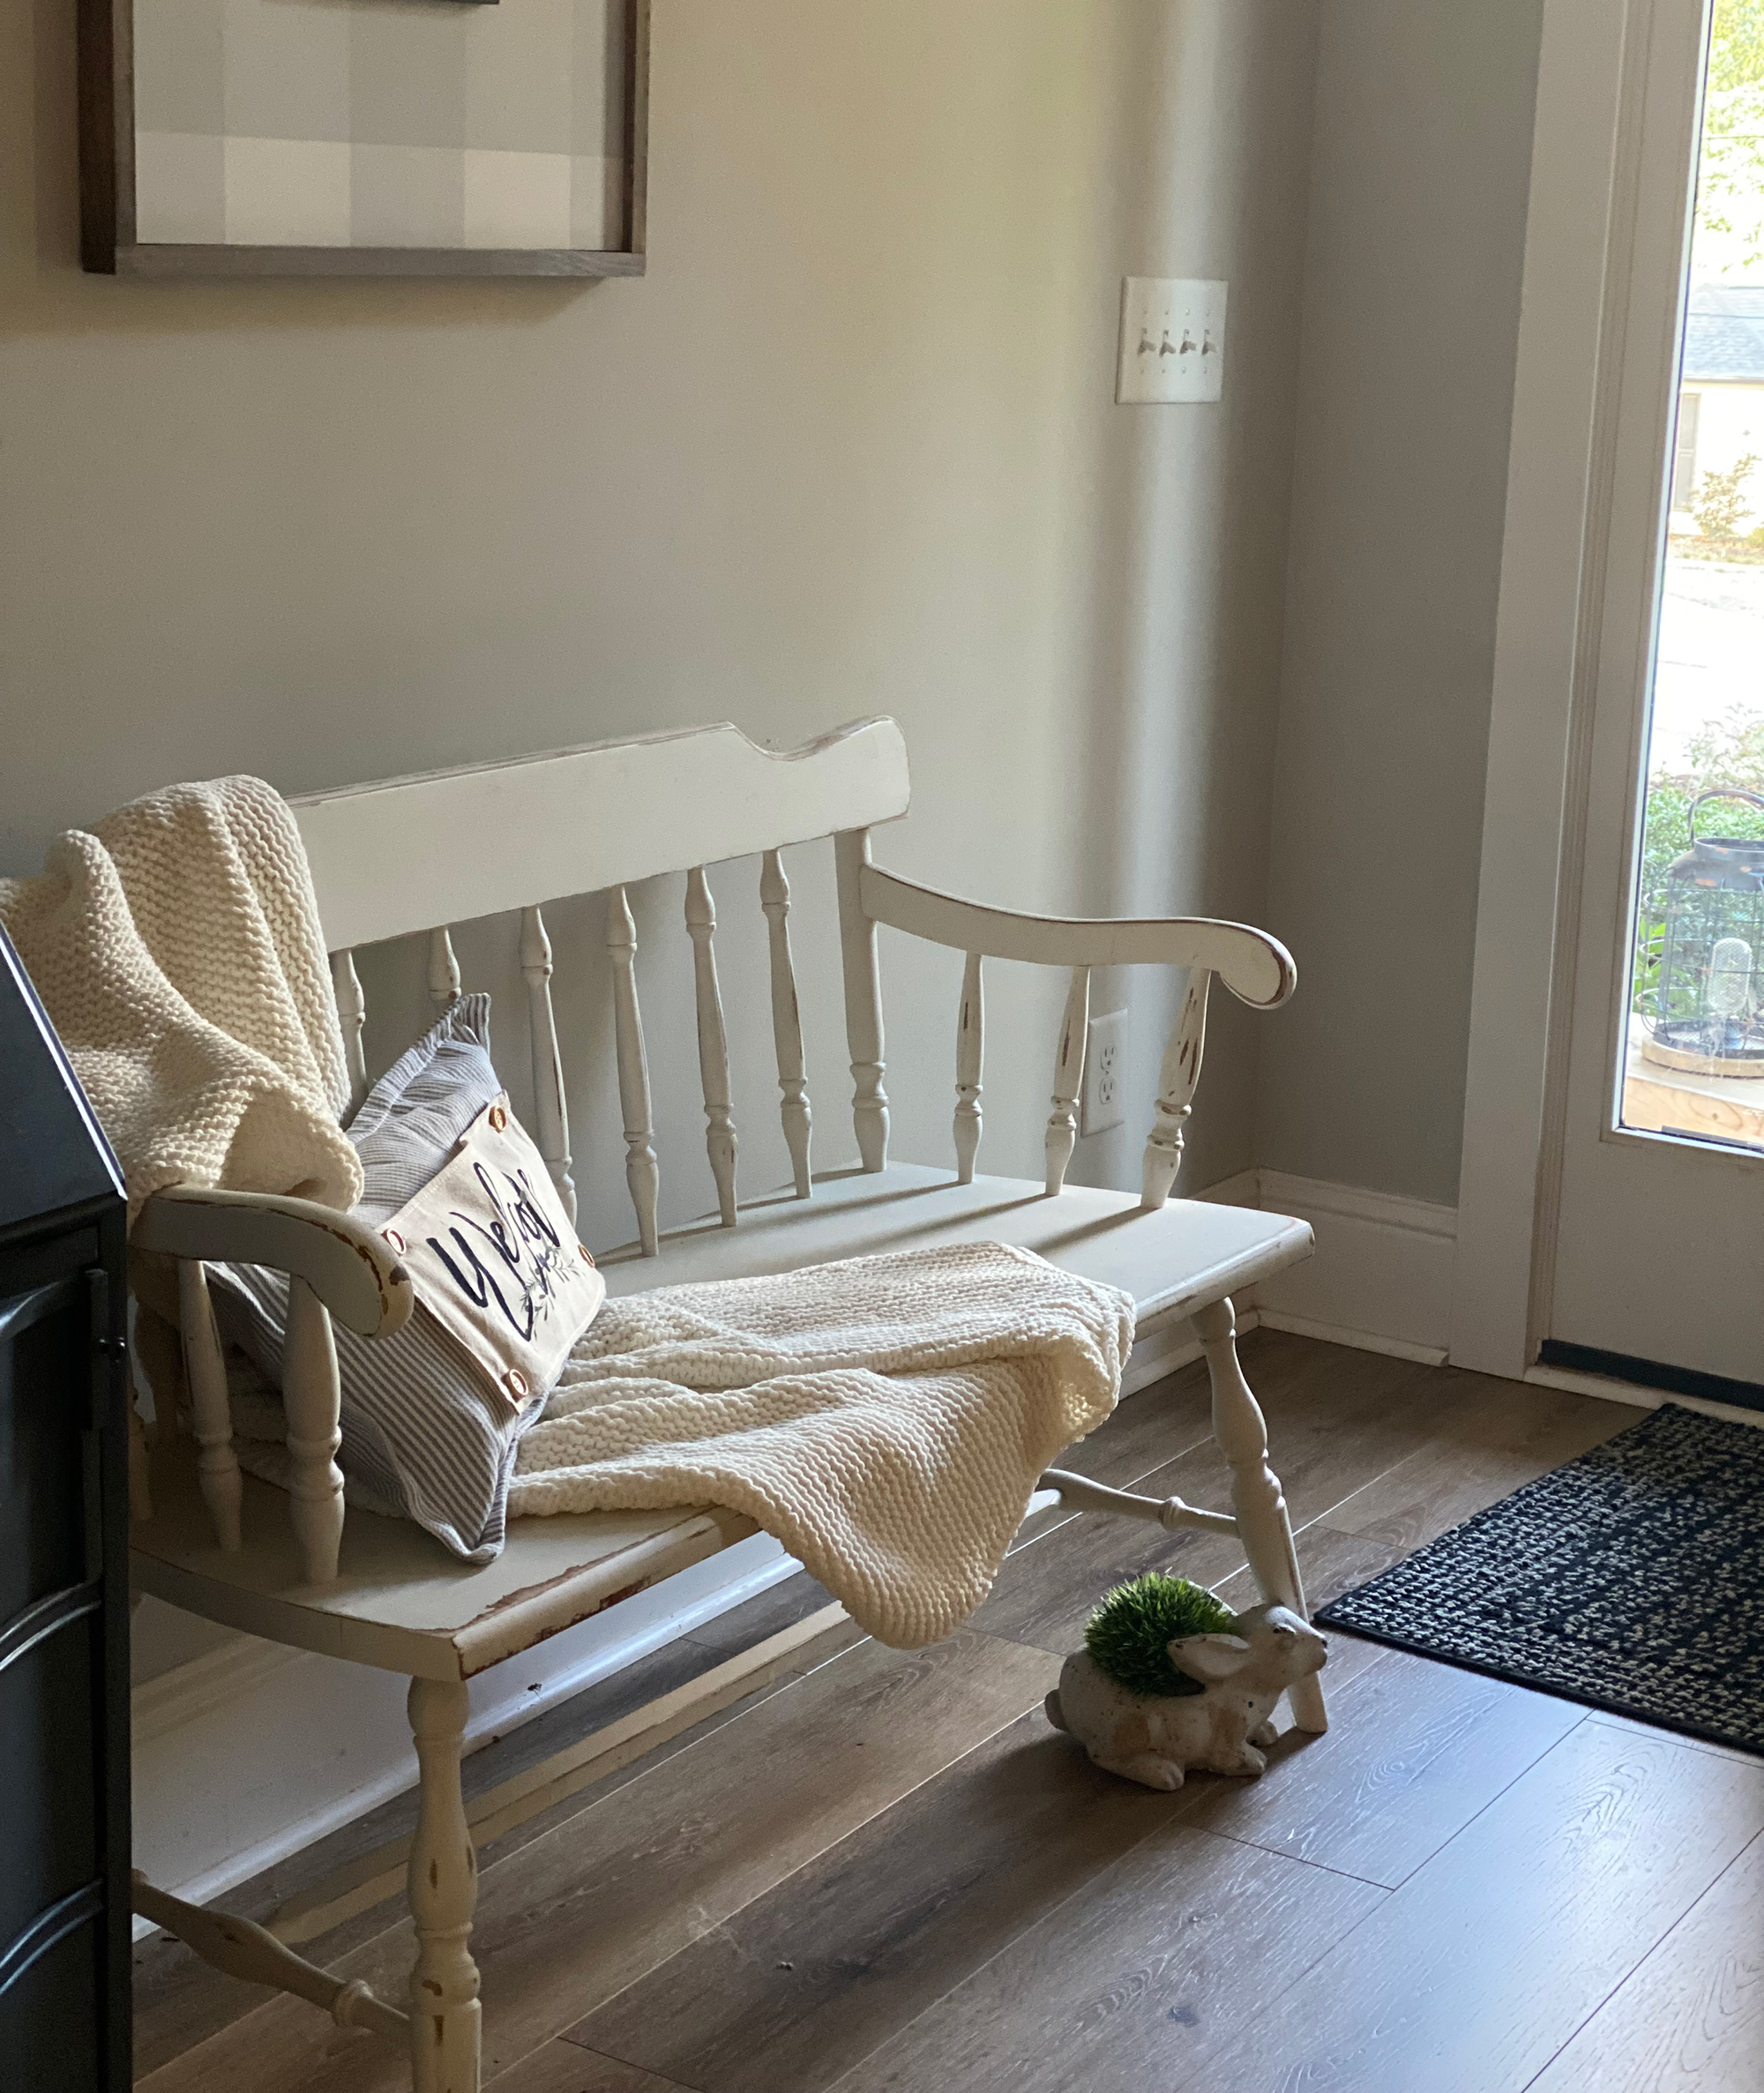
(417,854)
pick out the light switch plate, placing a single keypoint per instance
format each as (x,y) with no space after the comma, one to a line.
(1172,340)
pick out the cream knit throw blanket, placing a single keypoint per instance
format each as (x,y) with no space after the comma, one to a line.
(885,1417)
(178,951)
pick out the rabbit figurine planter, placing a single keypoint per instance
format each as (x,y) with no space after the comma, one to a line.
(1155,1738)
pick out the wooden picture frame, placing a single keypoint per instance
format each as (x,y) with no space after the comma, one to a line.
(111,241)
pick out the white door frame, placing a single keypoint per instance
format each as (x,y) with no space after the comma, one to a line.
(1586,151)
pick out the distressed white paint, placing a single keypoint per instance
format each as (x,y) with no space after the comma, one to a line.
(368,1879)
(863,1000)
(352,1014)
(351,1267)
(552,1131)
(1083,1495)
(444,969)
(1169,1262)
(720,1138)
(1068,1078)
(970,1046)
(394,858)
(814,791)
(1176,1082)
(642,1173)
(443,1878)
(1255,966)
(786,1021)
(1257,1499)
(313,1402)
(248,1952)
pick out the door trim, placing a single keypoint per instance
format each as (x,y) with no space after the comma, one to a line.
(1562,459)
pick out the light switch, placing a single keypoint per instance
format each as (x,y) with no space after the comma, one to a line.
(1172,340)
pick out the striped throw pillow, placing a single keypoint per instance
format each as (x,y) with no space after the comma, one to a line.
(427,1435)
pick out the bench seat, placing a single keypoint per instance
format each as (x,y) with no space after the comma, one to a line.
(1173,1260)
(401,1604)
(400,1601)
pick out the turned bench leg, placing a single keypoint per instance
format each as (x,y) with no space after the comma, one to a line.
(1256,1499)
(445,2013)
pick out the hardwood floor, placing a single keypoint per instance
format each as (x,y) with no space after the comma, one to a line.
(886,1871)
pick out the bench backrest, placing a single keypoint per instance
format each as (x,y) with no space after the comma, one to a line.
(419,854)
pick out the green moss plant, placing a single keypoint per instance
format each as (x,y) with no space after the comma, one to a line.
(1126,1634)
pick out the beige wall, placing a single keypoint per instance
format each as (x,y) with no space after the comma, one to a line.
(849,448)
(1418,184)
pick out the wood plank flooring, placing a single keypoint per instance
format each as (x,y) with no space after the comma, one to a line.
(886,1871)
(1494,1954)
(1691,2018)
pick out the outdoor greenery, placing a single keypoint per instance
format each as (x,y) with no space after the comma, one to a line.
(1730,188)
(1127,1633)
(1717,501)
(1729,751)
(1732,552)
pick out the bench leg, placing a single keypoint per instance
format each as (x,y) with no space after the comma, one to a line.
(445,2013)
(1257,1499)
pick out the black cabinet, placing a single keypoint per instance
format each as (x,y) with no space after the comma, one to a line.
(64,1924)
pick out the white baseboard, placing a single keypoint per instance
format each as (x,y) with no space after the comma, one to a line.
(1243,1189)
(1364,1340)
(1379,1280)
(251,1752)
(189,1693)
(1382,1276)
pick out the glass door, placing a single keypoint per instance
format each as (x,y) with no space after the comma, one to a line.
(1659,1242)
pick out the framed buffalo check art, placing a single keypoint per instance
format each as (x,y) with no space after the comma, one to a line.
(364,138)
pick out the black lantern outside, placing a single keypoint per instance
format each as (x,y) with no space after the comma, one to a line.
(1708,1005)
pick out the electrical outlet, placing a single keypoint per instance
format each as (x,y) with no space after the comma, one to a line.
(1173,340)
(1105,1044)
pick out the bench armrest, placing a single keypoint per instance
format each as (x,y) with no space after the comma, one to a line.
(1255,966)
(355,1271)
(335,1267)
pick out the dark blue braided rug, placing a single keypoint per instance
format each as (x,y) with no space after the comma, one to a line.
(1631,1579)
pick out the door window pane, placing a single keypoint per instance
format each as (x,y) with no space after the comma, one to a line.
(1693,1052)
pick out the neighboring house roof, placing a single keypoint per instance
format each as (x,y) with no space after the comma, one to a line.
(1724,333)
